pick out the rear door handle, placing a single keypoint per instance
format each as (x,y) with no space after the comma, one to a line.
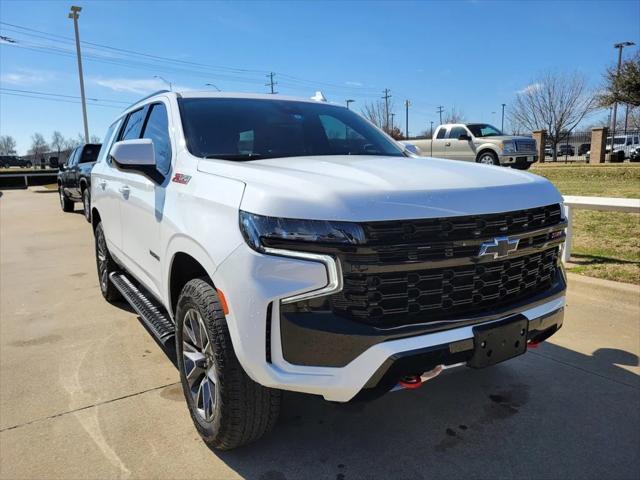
(447,144)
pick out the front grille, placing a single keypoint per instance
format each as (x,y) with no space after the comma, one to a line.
(402,298)
(525,145)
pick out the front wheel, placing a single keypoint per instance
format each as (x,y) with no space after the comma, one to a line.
(488,158)
(86,204)
(65,203)
(106,265)
(227,408)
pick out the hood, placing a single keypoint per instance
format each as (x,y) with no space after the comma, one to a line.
(369,188)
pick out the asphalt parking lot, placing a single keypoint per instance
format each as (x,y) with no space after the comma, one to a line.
(85,392)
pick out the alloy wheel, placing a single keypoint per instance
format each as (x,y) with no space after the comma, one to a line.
(103,263)
(486,159)
(199,365)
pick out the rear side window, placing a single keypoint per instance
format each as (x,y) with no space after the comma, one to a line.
(455,132)
(441,132)
(157,129)
(133,127)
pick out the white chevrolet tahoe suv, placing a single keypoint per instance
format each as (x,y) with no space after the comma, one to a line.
(288,244)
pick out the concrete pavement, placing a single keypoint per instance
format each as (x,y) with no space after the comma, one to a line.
(85,392)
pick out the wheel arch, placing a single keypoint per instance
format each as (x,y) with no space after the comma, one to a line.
(95,218)
(484,150)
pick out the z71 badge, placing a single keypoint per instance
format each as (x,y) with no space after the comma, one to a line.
(181,178)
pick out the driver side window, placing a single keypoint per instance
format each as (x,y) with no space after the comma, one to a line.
(456,132)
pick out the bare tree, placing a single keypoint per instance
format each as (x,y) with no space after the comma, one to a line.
(38,146)
(95,139)
(376,113)
(71,142)
(57,142)
(553,102)
(453,116)
(7,145)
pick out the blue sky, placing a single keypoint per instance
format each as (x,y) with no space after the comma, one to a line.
(473,55)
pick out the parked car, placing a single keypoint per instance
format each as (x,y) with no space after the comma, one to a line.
(478,142)
(566,150)
(583,149)
(635,155)
(623,145)
(74,178)
(7,161)
(548,150)
(291,245)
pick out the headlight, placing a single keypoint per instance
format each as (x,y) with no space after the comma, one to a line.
(261,231)
(508,147)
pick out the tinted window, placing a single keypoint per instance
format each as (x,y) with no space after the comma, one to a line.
(72,157)
(456,132)
(251,129)
(133,127)
(108,141)
(89,153)
(157,129)
(483,130)
(441,132)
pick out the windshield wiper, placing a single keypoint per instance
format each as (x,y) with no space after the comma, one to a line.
(235,156)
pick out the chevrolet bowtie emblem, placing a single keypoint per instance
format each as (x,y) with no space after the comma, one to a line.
(499,247)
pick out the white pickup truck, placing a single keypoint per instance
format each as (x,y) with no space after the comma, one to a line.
(288,244)
(478,142)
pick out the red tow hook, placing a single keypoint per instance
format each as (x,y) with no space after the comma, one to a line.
(412,382)
(533,344)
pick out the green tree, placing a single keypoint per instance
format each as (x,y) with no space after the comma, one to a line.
(623,87)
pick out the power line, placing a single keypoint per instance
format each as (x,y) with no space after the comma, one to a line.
(62,95)
(439,111)
(56,99)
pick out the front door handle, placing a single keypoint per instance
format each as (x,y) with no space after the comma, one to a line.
(102,184)
(447,144)
(124,190)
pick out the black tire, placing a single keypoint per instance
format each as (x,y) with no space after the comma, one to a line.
(239,411)
(106,265)
(86,204)
(66,204)
(488,158)
(29,164)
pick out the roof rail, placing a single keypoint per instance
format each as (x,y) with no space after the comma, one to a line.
(148,96)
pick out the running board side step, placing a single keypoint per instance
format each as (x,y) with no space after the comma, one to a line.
(154,316)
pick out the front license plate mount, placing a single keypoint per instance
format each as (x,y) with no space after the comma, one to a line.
(499,341)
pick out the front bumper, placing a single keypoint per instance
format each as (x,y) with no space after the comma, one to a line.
(518,158)
(254,284)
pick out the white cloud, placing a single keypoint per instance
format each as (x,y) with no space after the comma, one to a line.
(23,76)
(353,84)
(534,87)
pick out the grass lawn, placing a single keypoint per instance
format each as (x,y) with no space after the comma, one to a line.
(605,244)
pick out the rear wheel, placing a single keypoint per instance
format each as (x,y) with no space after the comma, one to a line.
(106,265)
(488,158)
(65,203)
(227,408)
(86,204)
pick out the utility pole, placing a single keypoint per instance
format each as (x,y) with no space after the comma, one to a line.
(348,102)
(619,46)
(439,111)
(431,154)
(271,82)
(393,116)
(386,97)
(74,14)
(407,104)
(502,125)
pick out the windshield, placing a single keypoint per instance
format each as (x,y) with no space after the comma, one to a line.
(483,130)
(617,141)
(254,129)
(90,153)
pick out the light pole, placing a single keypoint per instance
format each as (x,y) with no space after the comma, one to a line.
(407,104)
(431,154)
(212,85)
(502,124)
(349,101)
(619,46)
(74,14)
(165,81)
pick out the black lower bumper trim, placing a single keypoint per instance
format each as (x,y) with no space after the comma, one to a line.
(328,340)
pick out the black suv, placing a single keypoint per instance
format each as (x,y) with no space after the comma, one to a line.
(565,149)
(74,178)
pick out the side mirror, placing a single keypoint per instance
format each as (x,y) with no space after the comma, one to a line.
(137,156)
(62,167)
(464,137)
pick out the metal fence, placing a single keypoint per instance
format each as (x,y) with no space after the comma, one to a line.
(573,147)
